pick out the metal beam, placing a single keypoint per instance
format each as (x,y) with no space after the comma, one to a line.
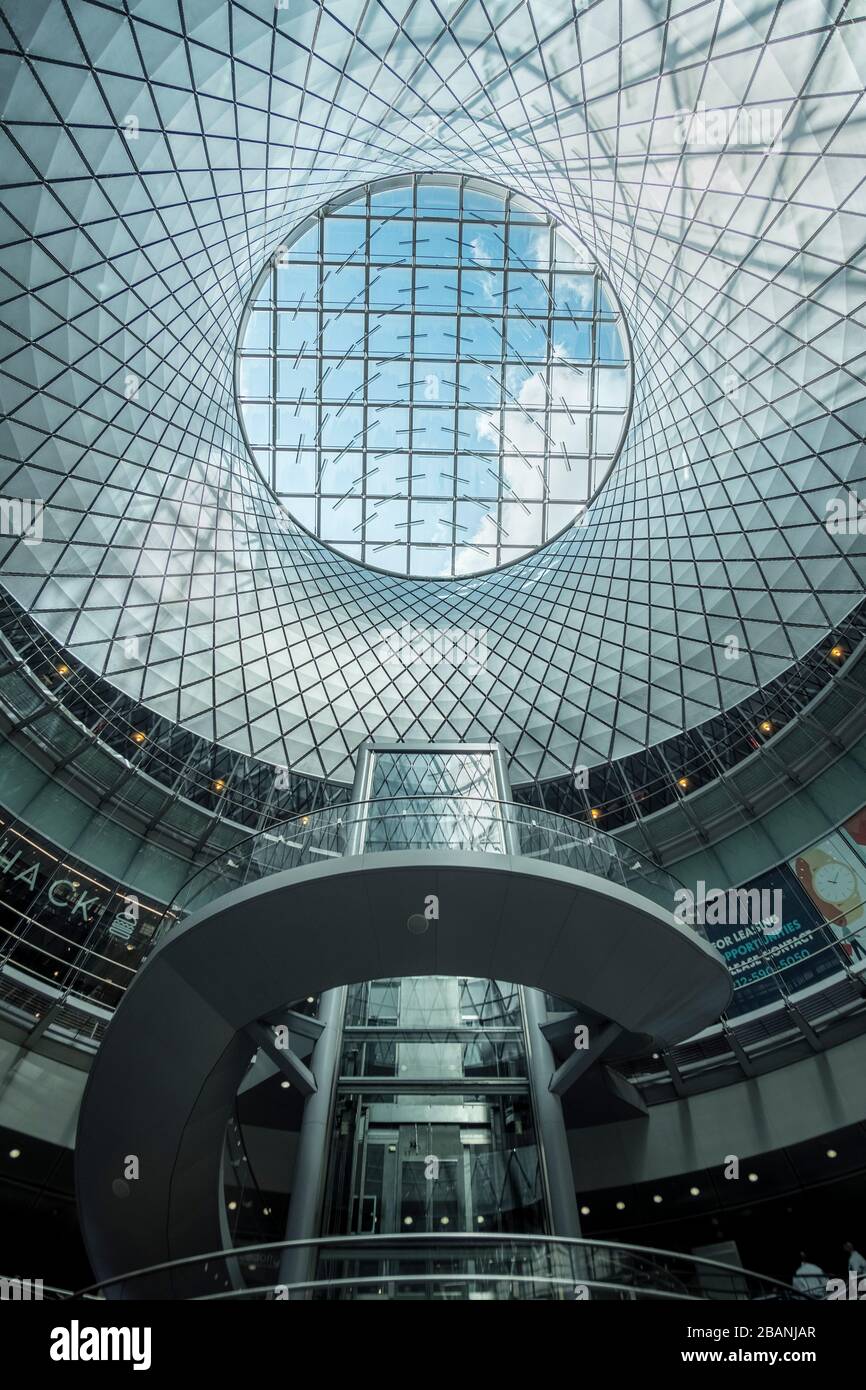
(742,1056)
(582,1058)
(804,1026)
(287,1061)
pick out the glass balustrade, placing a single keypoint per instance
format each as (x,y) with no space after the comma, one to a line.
(425,823)
(455,1266)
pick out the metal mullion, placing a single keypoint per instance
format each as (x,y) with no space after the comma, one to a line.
(365,390)
(411,405)
(320,346)
(458,362)
(274,366)
(503,359)
(548,378)
(593,360)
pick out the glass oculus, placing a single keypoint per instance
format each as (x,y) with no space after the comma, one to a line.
(433,376)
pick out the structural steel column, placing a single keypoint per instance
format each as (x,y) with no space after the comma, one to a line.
(552,1138)
(547,1107)
(314,1142)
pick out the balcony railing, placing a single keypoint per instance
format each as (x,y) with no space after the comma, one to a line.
(450,1266)
(425,823)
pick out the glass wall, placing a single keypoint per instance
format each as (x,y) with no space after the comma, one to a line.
(433,1126)
(434,800)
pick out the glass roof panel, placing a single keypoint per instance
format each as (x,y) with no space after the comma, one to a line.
(389,376)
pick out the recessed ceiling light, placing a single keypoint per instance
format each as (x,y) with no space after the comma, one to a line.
(14,1153)
(407,1221)
(657,1199)
(832,1153)
(584,1211)
(284,1085)
(695,1191)
(753,1177)
(233,1206)
(620,1206)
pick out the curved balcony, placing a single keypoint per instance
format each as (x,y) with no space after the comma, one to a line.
(450,1266)
(342,895)
(425,822)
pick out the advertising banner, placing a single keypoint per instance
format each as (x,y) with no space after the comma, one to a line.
(786,941)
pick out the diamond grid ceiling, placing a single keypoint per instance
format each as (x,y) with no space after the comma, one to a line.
(156,154)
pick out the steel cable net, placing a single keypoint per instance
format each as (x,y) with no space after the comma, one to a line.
(157,155)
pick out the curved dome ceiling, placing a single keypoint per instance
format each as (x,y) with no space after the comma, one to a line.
(155,159)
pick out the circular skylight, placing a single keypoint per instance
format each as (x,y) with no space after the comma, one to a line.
(433,376)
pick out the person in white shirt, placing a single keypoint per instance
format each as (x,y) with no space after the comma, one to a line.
(856,1262)
(810,1278)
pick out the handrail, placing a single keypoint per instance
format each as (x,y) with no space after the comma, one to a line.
(844,966)
(715,753)
(478,1240)
(377,810)
(532,1279)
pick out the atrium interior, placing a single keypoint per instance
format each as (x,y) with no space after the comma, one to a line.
(432,650)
